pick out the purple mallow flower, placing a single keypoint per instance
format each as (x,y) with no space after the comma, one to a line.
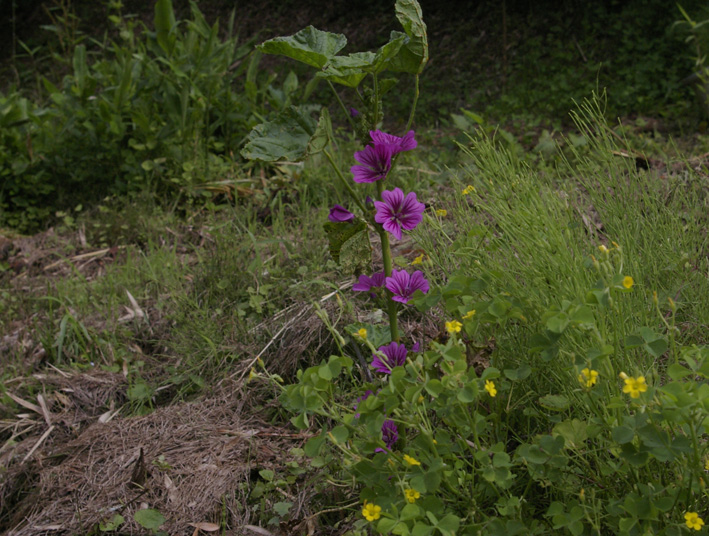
(354,112)
(397,212)
(397,144)
(376,163)
(394,356)
(367,283)
(402,285)
(389,435)
(340,214)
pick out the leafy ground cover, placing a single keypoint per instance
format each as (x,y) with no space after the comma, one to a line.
(196,366)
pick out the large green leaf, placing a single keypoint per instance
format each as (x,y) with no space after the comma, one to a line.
(338,233)
(310,45)
(413,56)
(292,135)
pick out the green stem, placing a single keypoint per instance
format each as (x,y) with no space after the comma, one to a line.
(375,115)
(386,258)
(345,182)
(344,108)
(413,105)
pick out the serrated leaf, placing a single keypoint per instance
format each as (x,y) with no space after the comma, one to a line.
(338,233)
(149,519)
(310,46)
(292,136)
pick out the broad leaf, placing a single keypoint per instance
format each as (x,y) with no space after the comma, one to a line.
(413,56)
(292,136)
(338,233)
(310,45)
(149,519)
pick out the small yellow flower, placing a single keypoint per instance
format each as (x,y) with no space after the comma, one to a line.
(470,314)
(453,326)
(252,374)
(582,494)
(411,461)
(490,388)
(371,512)
(603,249)
(418,260)
(634,386)
(693,520)
(421,399)
(588,377)
(411,495)
(362,333)
(628,281)
(441,212)
(468,189)
(615,245)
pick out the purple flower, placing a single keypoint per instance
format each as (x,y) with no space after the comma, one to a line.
(397,212)
(376,160)
(416,347)
(354,112)
(389,435)
(394,356)
(340,214)
(367,283)
(362,398)
(397,144)
(402,285)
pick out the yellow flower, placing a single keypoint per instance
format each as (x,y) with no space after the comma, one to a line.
(603,249)
(252,374)
(453,326)
(441,212)
(468,190)
(362,333)
(421,399)
(411,461)
(628,281)
(411,495)
(588,377)
(634,386)
(490,388)
(371,512)
(615,245)
(693,520)
(470,314)
(418,260)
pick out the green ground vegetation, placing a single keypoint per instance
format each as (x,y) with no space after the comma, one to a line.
(557,256)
